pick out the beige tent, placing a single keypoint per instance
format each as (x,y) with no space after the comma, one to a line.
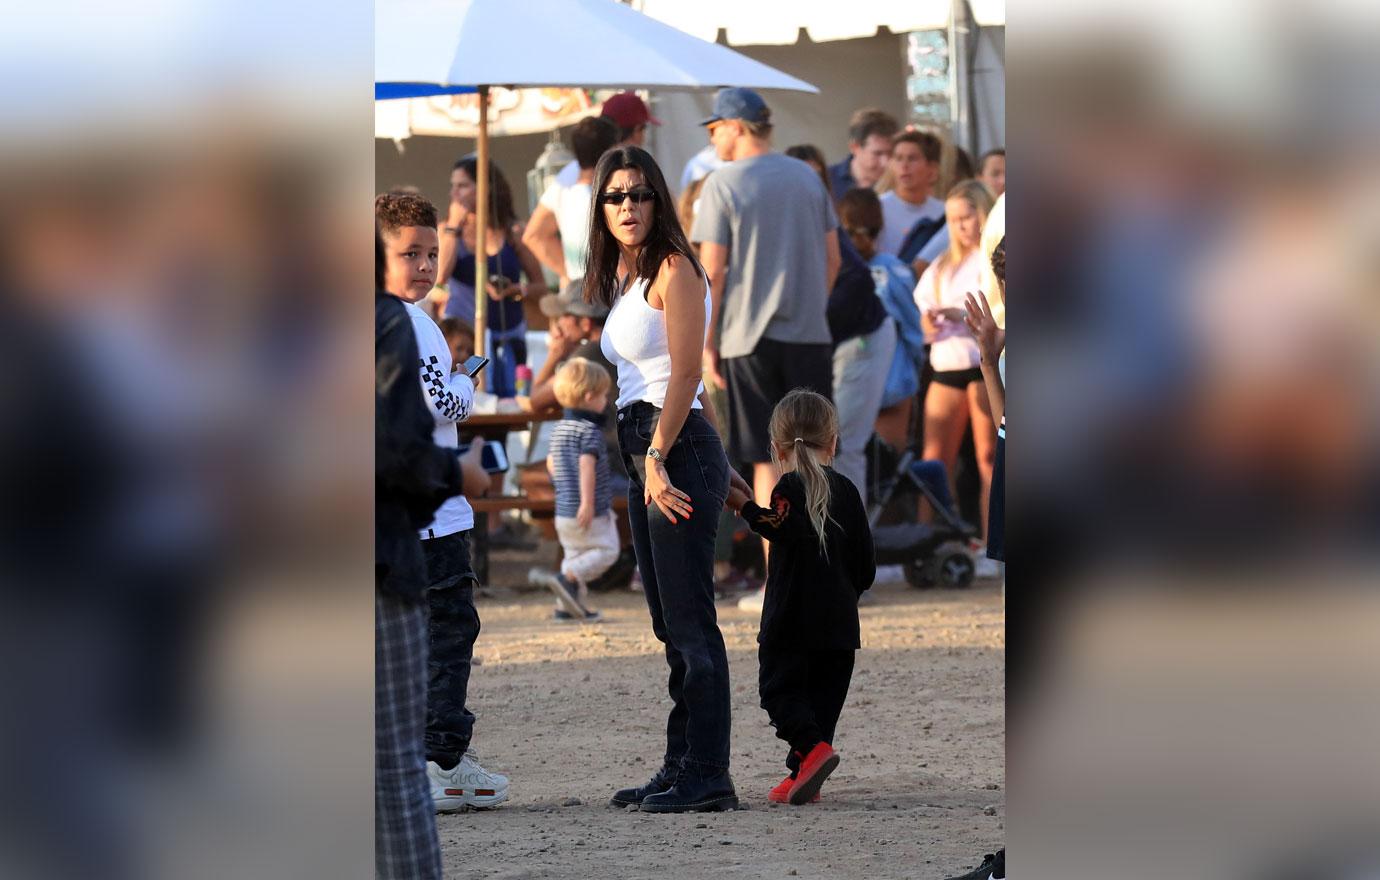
(778,22)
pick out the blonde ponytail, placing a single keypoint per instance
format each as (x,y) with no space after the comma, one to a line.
(806,422)
(818,492)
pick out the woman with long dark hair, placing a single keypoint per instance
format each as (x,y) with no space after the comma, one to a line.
(642,267)
(508,260)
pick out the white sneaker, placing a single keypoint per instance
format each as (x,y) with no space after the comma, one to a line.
(565,591)
(889,574)
(466,785)
(753,601)
(985,566)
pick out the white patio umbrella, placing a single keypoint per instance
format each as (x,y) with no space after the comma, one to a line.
(422,44)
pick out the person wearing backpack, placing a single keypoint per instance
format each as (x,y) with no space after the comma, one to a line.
(860,215)
(914,228)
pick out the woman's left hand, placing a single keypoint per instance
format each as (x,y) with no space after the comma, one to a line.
(671,501)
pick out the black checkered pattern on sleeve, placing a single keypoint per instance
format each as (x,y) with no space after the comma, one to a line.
(446,402)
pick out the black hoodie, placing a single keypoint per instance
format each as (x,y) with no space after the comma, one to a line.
(412,475)
(812,599)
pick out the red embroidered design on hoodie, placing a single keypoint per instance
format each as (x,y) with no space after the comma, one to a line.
(780,507)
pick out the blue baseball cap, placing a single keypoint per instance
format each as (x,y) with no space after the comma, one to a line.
(744,104)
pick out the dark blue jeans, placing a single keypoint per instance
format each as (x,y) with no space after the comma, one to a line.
(677,566)
(507,349)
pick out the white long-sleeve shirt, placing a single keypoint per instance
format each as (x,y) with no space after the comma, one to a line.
(449,397)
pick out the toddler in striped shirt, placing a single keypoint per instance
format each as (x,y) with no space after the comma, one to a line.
(579,465)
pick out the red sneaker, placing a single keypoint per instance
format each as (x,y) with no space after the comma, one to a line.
(813,771)
(782,793)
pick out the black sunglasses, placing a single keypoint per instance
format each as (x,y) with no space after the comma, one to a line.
(638,196)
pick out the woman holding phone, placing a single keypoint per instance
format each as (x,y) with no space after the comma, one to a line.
(508,261)
(641,266)
(956,395)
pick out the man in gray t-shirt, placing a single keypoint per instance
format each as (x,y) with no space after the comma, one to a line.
(765,226)
(772,215)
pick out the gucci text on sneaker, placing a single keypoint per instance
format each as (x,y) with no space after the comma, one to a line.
(465,786)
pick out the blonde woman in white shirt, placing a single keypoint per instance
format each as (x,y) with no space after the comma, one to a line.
(956,394)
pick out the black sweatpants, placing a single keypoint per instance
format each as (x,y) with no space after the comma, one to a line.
(803,693)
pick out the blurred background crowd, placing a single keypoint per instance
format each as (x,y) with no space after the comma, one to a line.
(185,467)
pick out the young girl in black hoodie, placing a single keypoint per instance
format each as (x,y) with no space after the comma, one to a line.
(821,561)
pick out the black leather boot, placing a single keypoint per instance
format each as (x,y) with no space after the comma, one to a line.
(696,790)
(662,781)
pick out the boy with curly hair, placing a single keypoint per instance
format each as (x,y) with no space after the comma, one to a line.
(407,223)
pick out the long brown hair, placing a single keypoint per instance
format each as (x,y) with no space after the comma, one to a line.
(664,238)
(810,155)
(808,424)
(501,213)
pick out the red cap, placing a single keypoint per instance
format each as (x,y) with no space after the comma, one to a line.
(627,110)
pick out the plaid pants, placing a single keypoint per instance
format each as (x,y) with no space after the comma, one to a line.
(405,845)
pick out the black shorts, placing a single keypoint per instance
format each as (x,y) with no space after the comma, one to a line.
(758,381)
(959,379)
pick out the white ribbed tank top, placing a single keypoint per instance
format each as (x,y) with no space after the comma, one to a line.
(634,341)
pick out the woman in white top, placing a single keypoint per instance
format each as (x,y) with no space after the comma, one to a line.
(956,394)
(642,267)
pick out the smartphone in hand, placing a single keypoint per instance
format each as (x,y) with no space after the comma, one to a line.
(494,458)
(473,365)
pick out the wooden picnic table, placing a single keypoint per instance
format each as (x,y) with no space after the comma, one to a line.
(497,423)
(496,426)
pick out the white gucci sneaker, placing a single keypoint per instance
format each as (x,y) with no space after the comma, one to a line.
(986,567)
(466,785)
(753,601)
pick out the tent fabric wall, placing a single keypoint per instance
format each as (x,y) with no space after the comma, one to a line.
(867,72)
(778,22)
(425,162)
(988,86)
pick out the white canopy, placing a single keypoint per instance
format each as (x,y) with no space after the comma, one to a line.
(511,112)
(778,22)
(587,43)
(543,43)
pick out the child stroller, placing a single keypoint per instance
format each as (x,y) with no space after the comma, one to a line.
(933,554)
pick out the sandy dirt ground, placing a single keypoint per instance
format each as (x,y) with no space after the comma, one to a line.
(571,713)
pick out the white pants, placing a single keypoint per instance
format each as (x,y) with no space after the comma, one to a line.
(860,370)
(588,552)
